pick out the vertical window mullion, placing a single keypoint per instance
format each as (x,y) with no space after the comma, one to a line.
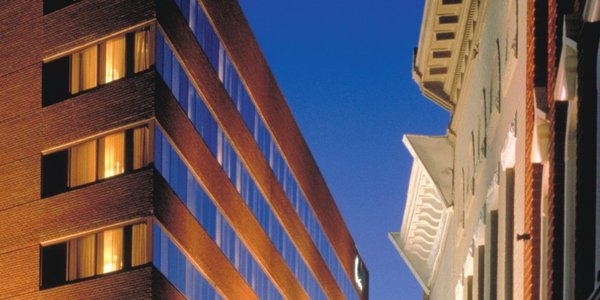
(127,247)
(128,151)
(129,54)
(98,160)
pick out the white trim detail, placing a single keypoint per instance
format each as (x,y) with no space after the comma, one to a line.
(428,210)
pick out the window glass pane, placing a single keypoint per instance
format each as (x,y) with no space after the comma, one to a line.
(141,51)
(82,164)
(54,262)
(81,257)
(88,72)
(54,173)
(111,153)
(140,147)
(75,67)
(110,250)
(138,245)
(55,80)
(113,59)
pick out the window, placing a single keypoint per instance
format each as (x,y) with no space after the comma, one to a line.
(55,173)
(112,59)
(53,5)
(111,155)
(84,70)
(82,163)
(142,51)
(93,160)
(96,65)
(94,254)
(55,81)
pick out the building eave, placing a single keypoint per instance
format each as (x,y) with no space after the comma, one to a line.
(436,153)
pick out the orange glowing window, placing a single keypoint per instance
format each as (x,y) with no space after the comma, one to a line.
(112,59)
(101,63)
(94,254)
(101,158)
(111,155)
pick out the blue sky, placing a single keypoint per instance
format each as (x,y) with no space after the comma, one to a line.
(344,67)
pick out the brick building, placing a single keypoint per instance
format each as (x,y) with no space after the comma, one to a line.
(147,152)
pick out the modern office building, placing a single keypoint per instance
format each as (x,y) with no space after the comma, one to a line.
(507,204)
(147,152)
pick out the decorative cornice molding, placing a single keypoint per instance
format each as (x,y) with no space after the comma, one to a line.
(428,210)
(449,37)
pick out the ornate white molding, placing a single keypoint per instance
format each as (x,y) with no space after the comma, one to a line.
(448,42)
(428,209)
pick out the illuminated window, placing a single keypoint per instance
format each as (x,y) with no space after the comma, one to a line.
(94,254)
(93,160)
(110,251)
(141,147)
(139,244)
(112,59)
(84,70)
(99,64)
(111,155)
(141,51)
(80,257)
(82,164)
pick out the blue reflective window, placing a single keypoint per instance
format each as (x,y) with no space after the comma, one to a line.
(184,184)
(235,170)
(178,269)
(217,55)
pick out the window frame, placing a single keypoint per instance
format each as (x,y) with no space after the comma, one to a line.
(129,153)
(127,253)
(129,57)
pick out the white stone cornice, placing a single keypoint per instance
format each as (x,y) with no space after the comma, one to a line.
(449,34)
(428,207)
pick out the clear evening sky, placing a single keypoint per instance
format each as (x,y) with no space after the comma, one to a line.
(344,67)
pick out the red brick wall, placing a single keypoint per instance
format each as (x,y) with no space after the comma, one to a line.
(26,226)
(530,278)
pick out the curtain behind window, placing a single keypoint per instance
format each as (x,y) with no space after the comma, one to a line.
(141,147)
(111,154)
(142,51)
(113,59)
(110,250)
(138,245)
(84,70)
(81,257)
(82,164)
